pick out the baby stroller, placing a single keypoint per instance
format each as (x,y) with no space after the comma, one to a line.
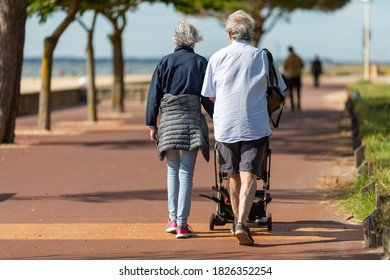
(258,215)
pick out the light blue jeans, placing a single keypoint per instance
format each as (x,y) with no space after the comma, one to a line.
(181,166)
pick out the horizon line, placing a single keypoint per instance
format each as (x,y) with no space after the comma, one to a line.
(155,58)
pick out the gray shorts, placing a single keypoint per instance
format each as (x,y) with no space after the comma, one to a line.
(244,156)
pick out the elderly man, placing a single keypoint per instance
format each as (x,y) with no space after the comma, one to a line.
(236,79)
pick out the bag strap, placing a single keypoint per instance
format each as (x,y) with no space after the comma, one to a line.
(271,68)
(276,124)
(272,75)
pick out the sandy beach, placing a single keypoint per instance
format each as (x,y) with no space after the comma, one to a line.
(33,84)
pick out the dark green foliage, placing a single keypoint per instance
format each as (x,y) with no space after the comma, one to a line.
(46,8)
(253,6)
(266,13)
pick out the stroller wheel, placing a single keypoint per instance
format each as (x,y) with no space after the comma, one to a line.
(269,221)
(212,221)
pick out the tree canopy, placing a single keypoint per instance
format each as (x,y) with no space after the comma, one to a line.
(46,8)
(266,13)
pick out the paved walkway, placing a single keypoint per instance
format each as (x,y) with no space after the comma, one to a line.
(97,191)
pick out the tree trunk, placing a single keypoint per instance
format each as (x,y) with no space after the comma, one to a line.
(44,96)
(47,65)
(118,88)
(91,91)
(259,29)
(257,34)
(12,34)
(118,91)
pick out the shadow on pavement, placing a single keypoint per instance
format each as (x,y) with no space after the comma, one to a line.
(113,144)
(309,133)
(6,196)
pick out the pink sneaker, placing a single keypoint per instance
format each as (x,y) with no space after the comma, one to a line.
(184,231)
(171,226)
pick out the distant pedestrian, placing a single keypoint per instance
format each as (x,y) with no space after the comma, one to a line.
(293,66)
(61,72)
(175,93)
(236,78)
(316,71)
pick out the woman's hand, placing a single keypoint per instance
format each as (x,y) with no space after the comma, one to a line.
(153,133)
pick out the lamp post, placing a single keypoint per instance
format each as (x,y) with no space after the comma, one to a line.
(366,39)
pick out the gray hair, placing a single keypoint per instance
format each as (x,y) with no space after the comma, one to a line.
(186,34)
(240,25)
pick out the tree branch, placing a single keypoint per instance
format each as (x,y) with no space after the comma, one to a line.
(83,25)
(73,8)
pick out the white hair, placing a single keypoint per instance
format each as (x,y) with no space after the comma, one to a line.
(240,25)
(186,34)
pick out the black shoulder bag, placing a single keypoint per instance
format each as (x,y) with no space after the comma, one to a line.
(274,97)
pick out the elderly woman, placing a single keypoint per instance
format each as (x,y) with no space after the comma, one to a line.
(175,92)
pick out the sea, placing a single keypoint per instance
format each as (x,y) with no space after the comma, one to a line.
(70,66)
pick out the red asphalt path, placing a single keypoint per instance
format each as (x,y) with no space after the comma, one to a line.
(87,191)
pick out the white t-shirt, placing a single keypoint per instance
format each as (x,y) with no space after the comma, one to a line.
(237,77)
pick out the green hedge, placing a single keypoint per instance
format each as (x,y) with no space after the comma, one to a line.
(373,111)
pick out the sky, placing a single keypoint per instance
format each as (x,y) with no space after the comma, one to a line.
(335,36)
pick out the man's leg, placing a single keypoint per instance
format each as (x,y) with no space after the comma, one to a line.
(316,80)
(234,193)
(291,92)
(298,85)
(251,159)
(247,193)
(229,158)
